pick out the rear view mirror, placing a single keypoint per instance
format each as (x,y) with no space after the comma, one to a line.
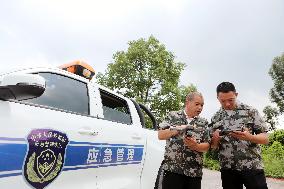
(21,86)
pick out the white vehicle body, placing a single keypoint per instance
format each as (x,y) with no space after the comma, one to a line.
(106,147)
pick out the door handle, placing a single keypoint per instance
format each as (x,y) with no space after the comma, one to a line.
(89,132)
(136,136)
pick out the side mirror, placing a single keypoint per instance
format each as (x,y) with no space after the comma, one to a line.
(21,86)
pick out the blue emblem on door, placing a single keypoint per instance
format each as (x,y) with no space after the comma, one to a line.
(45,157)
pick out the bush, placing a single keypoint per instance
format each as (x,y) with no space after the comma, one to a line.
(211,164)
(273,159)
(277,136)
(273,167)
(211,160)
(212,154)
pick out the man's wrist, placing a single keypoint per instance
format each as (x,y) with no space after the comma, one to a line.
(196,147)
(251,138)
(173,132)
(214,145)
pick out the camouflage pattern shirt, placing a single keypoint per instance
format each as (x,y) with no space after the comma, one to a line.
(234,153)
(178,157)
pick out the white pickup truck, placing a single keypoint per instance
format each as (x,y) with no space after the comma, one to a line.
(61,130)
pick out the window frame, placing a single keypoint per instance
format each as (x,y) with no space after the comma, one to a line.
(118,97)
(54,108)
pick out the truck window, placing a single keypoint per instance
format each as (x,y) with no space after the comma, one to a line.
(63,93)
(114,108)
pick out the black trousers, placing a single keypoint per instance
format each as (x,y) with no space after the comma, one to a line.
(252,179)
(178,181)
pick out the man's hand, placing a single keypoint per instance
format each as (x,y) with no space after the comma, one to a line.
(177,130)
(215,139)
(190,142)
(180,127)
(170,132)
(242,135)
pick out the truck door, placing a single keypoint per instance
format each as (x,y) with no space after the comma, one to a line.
(45,141)
(122,143)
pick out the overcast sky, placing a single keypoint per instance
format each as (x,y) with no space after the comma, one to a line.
(219,40)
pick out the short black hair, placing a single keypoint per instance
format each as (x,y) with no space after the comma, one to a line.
(225,87)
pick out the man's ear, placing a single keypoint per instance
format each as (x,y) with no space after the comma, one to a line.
(236,94)
(218,98)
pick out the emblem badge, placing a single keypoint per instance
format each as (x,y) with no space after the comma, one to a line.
(45,157)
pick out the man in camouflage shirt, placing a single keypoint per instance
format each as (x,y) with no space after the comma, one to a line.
(242,131)
(183,157)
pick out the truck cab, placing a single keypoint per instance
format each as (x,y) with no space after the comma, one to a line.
(63,130)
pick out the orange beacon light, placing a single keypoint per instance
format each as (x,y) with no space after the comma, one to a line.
(80,68)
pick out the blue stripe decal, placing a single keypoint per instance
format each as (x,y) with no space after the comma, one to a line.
(89,143)
(98,155)
(85,156)
(78,168)
(10,175)
(72,142)
(120,164)
(12,139)
(12,156)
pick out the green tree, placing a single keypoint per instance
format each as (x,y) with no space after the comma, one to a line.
(148,73)
(277,74)
(271,117)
